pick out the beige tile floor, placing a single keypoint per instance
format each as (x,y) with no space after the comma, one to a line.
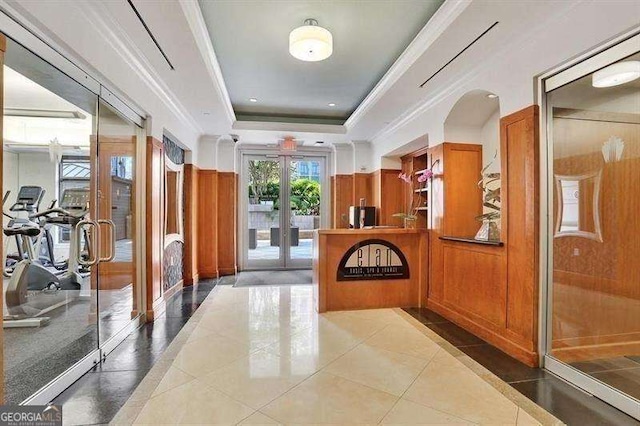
(262,355)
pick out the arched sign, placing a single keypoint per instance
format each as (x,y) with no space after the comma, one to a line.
(373,260)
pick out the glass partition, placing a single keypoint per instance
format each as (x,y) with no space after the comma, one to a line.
(594,134)
(50,303)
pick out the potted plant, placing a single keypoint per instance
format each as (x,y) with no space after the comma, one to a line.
(410,217)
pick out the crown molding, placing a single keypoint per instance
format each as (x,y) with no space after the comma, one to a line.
(439,22)
(199,30)
(337,129)
(456,84)
(122,44)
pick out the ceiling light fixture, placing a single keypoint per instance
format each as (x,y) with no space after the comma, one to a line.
(616,74)
(310,42)
(43,113)
(492,96)
(332,104)
(254,100)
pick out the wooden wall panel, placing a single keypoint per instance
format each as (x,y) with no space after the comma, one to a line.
(154,226)
(207,223)
(191,234)
(343,198)
(520,204)
(391,198)
(362,188)
(227,200)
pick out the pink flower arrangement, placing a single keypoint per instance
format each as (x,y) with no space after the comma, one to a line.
(425,176)
(404,177)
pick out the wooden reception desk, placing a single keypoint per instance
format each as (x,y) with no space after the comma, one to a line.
(369,268)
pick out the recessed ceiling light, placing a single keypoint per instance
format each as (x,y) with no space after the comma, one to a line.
(331,104)
(206,113)
(616,74)
(492,96)
(253,100)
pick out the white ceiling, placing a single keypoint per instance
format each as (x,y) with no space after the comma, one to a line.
(250,39)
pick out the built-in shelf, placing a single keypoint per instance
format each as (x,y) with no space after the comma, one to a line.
(472,241)
(421,190)
(422,209)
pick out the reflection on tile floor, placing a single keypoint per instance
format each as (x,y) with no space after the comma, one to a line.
(261,355)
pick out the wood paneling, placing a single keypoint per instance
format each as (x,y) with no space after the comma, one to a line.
(227,200)
(207,223)
(598,277)
(331,295)
(388,196)
(491,291)
(343,198)
(154,226)
(362,188)
(191,233)
(520,219)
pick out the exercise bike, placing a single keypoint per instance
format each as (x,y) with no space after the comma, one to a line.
(34,290)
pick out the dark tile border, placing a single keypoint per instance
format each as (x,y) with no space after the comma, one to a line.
(563,400)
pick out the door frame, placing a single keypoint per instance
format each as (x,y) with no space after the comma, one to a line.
(248,151)
(611,51)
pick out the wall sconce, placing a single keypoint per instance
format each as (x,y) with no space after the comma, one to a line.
(612,149)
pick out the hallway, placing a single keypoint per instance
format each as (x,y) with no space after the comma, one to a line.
(261,355)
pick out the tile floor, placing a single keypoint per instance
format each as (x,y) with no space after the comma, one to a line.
(261,355)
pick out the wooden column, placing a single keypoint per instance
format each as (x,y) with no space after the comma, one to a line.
(207,216)
(343,197)
(519,137)
(154,227)
(227,211)
(191,233)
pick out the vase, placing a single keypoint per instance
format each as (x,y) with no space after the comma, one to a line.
(409,223)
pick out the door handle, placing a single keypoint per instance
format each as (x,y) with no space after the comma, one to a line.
(94,241)
(112,238)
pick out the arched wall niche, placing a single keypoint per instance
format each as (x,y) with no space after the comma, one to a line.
(475,118)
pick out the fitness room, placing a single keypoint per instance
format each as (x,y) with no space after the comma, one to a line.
(70,226)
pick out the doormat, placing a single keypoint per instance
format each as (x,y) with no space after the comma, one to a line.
(257,278)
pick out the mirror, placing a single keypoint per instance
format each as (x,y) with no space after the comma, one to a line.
(173,183)
(578,206)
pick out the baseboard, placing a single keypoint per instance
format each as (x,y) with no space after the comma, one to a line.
(188,281)
(513,349)
(227,271)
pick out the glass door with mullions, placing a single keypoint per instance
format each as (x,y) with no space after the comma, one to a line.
(593,309)
(283,208)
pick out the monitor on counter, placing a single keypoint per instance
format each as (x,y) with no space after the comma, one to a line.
(369,216)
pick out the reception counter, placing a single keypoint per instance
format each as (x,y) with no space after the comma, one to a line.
(369,268)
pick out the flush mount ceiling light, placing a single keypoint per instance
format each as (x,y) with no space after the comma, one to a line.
(254,100)
(616,74)
(310,42)
(492,96)
(331,104)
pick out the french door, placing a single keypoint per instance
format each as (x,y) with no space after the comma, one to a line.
(283,199)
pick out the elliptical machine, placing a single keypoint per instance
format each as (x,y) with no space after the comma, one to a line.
(34,290)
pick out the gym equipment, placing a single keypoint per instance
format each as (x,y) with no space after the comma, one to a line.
(33,289)
(28,201)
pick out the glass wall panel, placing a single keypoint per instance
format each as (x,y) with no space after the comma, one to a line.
(594,126)
(117,180)
(50,305)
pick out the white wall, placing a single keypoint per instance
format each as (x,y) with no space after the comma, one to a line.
(344,159)
(490,139)
(362,157)
(571,28)
(20,169)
